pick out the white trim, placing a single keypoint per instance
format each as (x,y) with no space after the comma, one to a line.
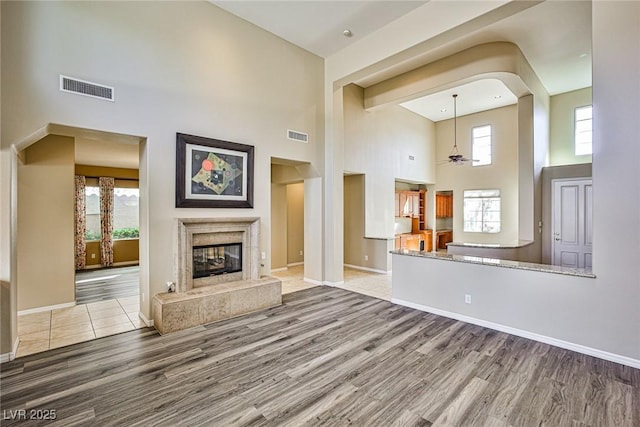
(275,270)
(115,264)
(146,321)
(46,308)
(8,357)
(293,264)
(333,284)
(373,270)
(125,263)
(315,282)
(612,357)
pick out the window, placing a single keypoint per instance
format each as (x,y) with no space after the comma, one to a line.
(125,213)
(92,213)
(481,211)
(583,130)
(481,145)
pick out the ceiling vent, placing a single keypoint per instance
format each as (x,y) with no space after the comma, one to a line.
(297,136)
(81,87)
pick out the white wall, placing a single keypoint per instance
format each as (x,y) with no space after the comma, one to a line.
(190,68)
(378,144)
(356,246)
(561,141)
(600,315)
(501,174)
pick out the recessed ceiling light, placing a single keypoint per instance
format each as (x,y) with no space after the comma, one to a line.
(444,110)
(347,33)
(497,97)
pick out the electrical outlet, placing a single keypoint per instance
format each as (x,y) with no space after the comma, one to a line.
(467,299)
(300,252)
(93,256)
(366,257)
(263,255)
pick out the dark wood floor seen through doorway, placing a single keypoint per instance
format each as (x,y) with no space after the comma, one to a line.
(325,357)
(107,284)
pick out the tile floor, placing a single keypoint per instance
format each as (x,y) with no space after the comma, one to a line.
(57,328)
(363,282)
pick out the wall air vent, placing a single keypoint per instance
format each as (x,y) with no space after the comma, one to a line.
(81,87)
(297,136)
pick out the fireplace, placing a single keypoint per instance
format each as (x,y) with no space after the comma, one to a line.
(217,274)
(213,260)
(212,251)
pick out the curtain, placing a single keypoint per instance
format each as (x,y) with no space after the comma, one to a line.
(106,185)
(80,221)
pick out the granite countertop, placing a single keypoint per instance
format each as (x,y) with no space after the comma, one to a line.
(518,244)
(546,268)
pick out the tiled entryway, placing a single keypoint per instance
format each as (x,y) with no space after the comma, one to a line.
(57,328)
(373,284)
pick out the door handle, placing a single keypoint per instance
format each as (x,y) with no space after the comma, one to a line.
(557,238)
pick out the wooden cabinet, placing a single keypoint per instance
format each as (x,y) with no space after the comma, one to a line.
(410,204)
(413,204)
(427,237)
(444,205)
(442,238)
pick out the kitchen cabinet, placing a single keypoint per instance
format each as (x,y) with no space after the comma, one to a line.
(443,237)
(409,204)
(410,241)
(444,205)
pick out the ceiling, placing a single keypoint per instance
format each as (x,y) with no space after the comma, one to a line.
(106,153)
(318,26)
(554,36)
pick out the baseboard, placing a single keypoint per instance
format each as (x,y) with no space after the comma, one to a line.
(578,348)
(115,264)
(293,264)
(373,270)
(148,322)
(275,270)
(47,308)
(125,263)
(315,282)
(91,267)
(8,357)
(333,284)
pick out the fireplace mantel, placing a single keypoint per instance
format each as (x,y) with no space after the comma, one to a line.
(216,230)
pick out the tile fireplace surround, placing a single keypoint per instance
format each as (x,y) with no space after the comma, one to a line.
(207,299)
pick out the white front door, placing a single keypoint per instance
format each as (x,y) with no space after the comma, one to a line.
(572,222)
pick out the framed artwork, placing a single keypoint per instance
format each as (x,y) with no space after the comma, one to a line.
(213,174)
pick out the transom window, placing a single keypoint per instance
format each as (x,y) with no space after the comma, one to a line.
(583,130)
(481,145)
(481,211)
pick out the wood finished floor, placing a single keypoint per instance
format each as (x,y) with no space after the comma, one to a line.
(107,284)
(325,357)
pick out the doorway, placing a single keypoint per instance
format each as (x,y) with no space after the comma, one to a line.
(572,223)
(50,316)
(444,220)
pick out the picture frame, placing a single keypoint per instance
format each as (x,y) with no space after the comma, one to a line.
(211,173)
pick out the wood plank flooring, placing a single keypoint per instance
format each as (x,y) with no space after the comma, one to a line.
(325,357)
(107,284)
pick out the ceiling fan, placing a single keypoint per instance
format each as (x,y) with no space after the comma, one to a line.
(455,157)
